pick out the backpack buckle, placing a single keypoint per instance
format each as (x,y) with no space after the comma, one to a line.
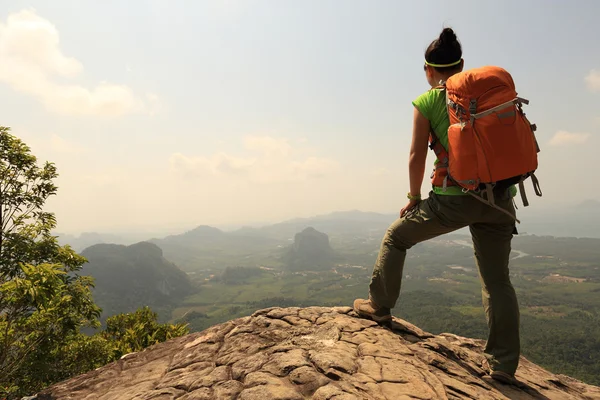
(473,106)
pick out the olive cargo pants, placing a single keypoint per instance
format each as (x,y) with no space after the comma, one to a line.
(492,232)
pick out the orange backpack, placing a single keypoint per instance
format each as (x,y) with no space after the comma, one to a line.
(491,144)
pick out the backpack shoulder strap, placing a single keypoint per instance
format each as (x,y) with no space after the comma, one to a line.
(438,149)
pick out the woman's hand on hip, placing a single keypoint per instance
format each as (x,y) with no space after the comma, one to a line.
(411,204)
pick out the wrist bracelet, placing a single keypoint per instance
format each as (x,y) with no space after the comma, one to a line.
(417,197)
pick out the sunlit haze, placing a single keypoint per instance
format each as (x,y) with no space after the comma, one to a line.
(163,115)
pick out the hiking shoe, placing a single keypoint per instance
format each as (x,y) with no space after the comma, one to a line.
(370,310)
(504,377)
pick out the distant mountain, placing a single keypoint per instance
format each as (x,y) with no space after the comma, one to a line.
(207,247)
(87,239)
(204,233)
(128,277)
(340,224)
(310,251)
(590,204)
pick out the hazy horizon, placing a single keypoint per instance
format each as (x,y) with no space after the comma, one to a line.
(162,116)
(539,222)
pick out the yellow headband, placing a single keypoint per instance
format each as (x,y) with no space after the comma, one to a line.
(443,65)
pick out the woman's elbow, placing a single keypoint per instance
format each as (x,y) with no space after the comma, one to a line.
(417,157)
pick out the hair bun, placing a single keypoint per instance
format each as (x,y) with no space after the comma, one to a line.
(447,36)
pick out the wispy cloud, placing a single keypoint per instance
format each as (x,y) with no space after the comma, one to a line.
(32,62)
(271,160)
(50,145)
(380,172)
(220,163)
(564,138)
(592,80)
(61,145)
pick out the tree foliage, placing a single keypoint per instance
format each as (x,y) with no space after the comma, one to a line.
(26,228)
(43,300)
(41,310)
(133,332)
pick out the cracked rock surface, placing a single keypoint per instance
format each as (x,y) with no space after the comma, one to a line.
(313,353)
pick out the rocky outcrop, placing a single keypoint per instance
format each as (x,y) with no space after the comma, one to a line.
(313,353)
(129,277)
(310,251)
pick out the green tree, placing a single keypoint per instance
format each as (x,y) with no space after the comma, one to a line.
(43,301)
(133,332)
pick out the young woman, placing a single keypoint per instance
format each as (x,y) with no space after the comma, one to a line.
(445,210)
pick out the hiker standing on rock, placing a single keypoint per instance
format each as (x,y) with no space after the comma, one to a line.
(484,146)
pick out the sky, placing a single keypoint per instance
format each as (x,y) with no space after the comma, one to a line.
(164,115)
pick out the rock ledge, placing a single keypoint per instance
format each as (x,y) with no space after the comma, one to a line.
(312,353)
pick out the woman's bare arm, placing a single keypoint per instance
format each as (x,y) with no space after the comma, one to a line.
(418,152)
(417,158)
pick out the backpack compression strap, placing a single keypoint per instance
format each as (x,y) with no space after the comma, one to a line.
(494,205)
(442,164)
